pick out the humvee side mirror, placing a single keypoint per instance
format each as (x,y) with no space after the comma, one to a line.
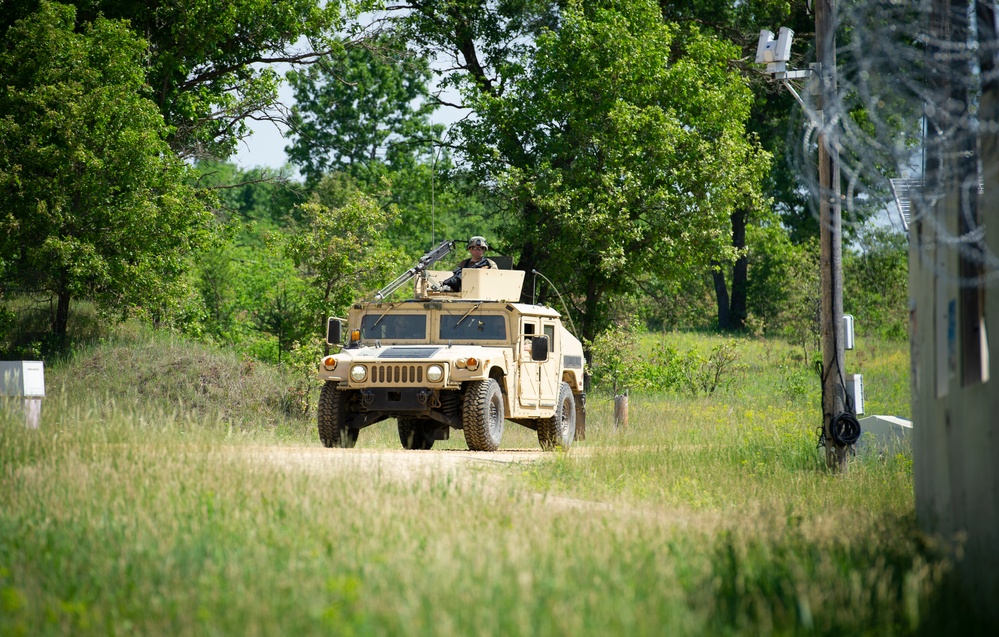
(539,348)
(334,335)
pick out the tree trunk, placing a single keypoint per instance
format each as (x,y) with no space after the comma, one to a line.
(740,272)
(61,320)
(732,311)
(721,294)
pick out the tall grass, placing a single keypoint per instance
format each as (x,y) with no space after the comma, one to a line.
(140,508)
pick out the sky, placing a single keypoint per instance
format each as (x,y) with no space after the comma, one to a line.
(265,147)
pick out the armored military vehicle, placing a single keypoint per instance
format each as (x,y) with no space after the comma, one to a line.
(441,360)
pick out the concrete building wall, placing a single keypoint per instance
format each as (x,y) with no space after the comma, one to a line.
(955,354)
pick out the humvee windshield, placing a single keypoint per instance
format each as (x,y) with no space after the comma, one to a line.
(394,326)
(474,327)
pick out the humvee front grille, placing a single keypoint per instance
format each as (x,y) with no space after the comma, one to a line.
(396,374)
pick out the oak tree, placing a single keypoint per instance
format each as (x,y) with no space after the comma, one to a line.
(92,201)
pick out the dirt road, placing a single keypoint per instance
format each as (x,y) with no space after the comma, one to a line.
(396,464)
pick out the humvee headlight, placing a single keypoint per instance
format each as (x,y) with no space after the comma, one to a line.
(358,373)
(460,363)
(435,373)
(329,363)
(472,364)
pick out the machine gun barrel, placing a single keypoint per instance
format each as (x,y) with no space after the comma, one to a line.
(424,262)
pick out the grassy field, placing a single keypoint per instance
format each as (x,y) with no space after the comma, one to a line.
(137,508)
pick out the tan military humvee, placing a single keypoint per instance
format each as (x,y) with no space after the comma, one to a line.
(453,360)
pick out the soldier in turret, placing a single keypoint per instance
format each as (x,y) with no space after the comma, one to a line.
(477,247)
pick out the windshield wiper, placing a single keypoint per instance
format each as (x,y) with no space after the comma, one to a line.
(390,308)
(465,316)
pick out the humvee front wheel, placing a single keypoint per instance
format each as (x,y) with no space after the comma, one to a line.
(560,429)
(482,415)
(416,433)
(333,429)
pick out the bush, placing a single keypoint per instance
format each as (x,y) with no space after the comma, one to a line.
(618,360)
(876,284)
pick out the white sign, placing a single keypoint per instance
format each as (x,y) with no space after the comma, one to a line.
(22,378)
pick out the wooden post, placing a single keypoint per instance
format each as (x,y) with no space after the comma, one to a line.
(32,412)
(831,236)
(621,410)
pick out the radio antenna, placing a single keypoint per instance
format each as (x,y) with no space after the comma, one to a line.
(564,306)
(433,200)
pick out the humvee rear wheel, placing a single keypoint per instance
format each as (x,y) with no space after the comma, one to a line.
(482,415)
(333,429)
(560,429)
(416,433)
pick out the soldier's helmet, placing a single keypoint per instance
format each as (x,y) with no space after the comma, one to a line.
(477,241)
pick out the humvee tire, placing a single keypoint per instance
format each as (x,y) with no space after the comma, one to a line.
(482,415)
(416,433)
(560,429)
(333,429)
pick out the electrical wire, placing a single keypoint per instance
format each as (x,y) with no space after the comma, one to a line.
(845,429)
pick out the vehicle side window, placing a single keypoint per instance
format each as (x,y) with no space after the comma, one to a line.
(530,329)
(550,333)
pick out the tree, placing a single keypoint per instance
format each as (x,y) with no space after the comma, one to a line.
(210,61)
(876,282)
(92,201)
(623,162)
(336,247)
(361,108)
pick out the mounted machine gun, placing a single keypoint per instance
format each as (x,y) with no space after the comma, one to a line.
(425,262)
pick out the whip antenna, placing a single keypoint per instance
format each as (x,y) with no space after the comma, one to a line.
(564,306)
(433,201)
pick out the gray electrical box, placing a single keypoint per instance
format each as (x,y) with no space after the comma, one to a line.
(24,382)
(22,379)
(847,331)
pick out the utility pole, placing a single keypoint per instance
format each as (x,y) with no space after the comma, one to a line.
(831,238)
(840,429)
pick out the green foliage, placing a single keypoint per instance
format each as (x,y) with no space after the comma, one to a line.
(251,297)
(605,137)
(619,360)
(253,202)
(92,201)
(784,291)
(301,365)
(336,246)
(434,201)
(615,356)
(355,111)
(876,284)
(205,59)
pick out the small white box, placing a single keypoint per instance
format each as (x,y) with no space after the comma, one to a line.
(847,331)
(22,378)
(855,392)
